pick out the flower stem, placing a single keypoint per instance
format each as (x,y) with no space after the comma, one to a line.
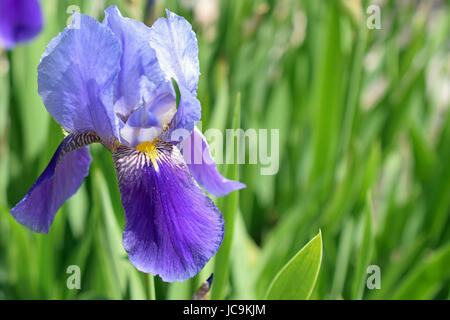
(151,287)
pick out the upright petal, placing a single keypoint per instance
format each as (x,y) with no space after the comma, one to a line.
(176,47)
(59,181)
(141,126)
(140,73)
(172,228)
(76,76)
(20,20)
(183,122)
(197,155)
(147,122)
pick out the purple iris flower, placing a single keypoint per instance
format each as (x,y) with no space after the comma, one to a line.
(111,83)
(20,20)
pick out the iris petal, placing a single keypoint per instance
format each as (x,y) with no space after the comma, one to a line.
(143,118)
(176,47)
(183,122)
(203,168)
(59,181)
(20,20)
(172,228)
(76,74)
(140,73)
(141,126)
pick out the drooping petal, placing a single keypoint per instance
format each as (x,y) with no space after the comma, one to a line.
(176,47)
(20,20)
(76,74)
(197,156)
(172,228)
(59,181)
(140,73)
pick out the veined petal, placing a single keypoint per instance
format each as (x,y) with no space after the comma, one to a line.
(197,155)
(162,102)
(183,122)
(20,20)
(76,75)
(172,228)
(140,73)
(176,47)
(141,126)
(59,181)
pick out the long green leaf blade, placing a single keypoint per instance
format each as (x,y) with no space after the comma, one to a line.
(296,280)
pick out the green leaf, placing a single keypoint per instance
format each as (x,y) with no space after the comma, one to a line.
(110,240)
(137,290)
(229,209)
(4,147)
(425,279)
(326,97)
(242,261)
(365,251)
(296,280)
(343,258)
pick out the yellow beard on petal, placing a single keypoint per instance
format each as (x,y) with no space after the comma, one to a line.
(150,150)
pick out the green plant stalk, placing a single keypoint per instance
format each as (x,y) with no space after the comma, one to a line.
(230,206)
(354,87)
(365,250)
(151,294)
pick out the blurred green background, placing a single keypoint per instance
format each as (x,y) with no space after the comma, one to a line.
(364,136)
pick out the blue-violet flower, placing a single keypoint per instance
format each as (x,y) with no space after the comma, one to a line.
(111,83)
(20,21)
